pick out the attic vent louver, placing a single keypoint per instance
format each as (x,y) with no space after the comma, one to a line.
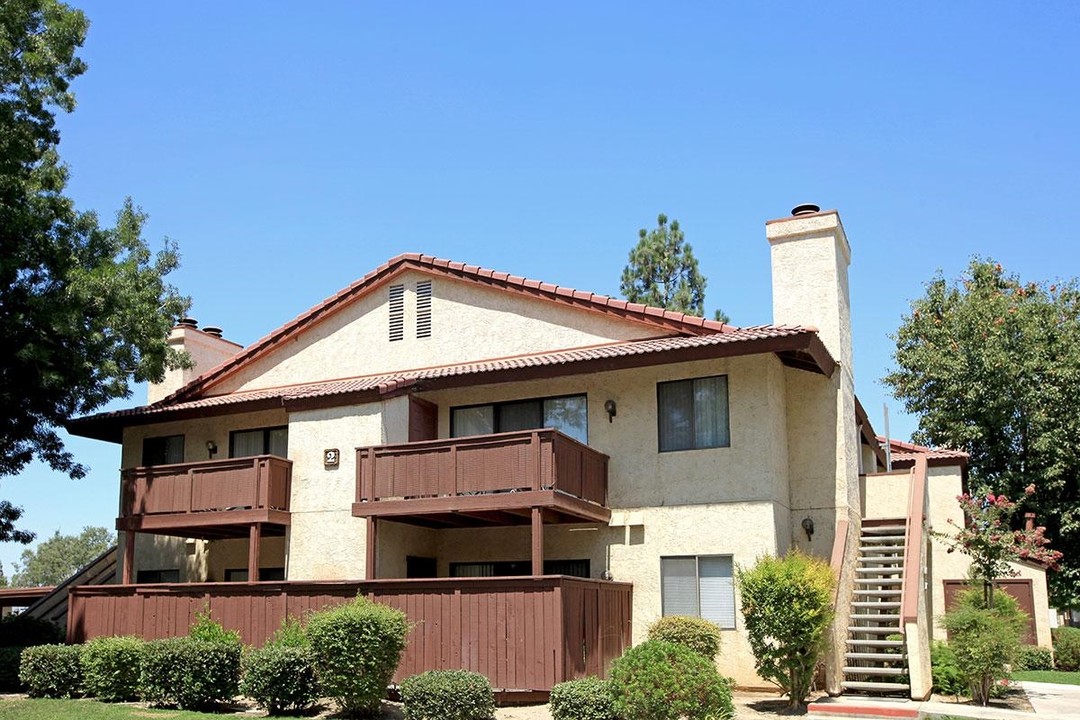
(423,309)
(397,312)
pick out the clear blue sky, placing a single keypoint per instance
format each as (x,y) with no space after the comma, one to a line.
(291,147)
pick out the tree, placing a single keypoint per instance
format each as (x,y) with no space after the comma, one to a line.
(991,365)
(61,556)
(663,272)
(84,310)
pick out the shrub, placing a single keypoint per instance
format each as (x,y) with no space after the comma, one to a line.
(356,648)
(984,640)
(280,678)
(659,680)
(110,667)
(209,630)
(290,634)
(52,671)
(24,630)
(1034,657)
(1067,648)
(587,699)
(449,694)
(698,634)
(948,680)
(9,669)
(787,604)
(190,673)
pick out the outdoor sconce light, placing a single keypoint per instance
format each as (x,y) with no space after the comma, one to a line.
(609,408)
(211,448)
(808,526)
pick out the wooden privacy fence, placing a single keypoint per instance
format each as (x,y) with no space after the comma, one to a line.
(504,462)
(240,483)
(523,633)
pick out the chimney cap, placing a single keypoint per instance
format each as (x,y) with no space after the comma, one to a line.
(805,209)
(212,330)
(188,322)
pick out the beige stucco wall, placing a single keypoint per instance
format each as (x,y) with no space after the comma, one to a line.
(885,495)
(206,352)
(944,485)
(355,340)
(222,555)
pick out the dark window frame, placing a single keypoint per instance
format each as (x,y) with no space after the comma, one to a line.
(164,439)
(151,577)
(266,438)
(263,571)
(690,381)
(496,417)
(503,567)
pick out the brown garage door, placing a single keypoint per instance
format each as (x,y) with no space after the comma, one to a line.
(1019,588)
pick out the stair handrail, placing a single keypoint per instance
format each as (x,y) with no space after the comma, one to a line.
(913,597)
(835,660)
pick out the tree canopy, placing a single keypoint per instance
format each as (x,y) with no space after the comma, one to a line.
(991,366)
(662,271)
(84,309)
(61,556)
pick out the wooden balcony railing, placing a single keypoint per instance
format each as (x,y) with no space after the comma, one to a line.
(482,465)
(252,483)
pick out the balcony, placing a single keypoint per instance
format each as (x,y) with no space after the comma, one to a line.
(210,499)
(483,480)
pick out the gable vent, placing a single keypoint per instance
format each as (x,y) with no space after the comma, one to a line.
(423,309)
(397,312)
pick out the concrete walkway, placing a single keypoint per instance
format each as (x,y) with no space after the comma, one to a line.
(1049,701)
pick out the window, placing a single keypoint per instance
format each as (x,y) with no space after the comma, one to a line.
(157,576)
(510,568)
(397,312)
(701,586)
(569,415)
(265,574)
(263,441)
(693,414)
(163,450)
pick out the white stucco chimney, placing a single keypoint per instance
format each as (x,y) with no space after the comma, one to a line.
(207,349)
(810,258)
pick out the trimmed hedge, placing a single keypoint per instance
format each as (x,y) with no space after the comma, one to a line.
(110,668)
(587,699)
(52,671)
(1067,648)
(9,669)
(447,695)
(1034,657)
(280,678)
(209,630)
(700,635)
(357,647)
(659,680)
(192,674)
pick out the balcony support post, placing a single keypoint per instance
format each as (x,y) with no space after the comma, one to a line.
(254,541)
(369,550)
(537,541)
(128,561)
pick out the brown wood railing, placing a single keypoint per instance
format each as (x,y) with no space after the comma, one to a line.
(523,633)
(505,462)
(261,482)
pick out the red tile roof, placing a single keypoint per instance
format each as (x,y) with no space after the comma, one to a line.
(905,452)
(656,317)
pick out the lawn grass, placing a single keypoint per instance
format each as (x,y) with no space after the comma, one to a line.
(1048,676)
(90,710)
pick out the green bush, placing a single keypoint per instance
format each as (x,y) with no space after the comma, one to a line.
(23,631)
(192,674)
(1034,657)
(52,671)
(449,695)
(948,679)
(110,667)
(698,634)
(587,699)
(290,634)
(985,641)
(787,605)
(9,669)
(357,647)
(280,678)
(659,680)
(209,630)
(1067,648)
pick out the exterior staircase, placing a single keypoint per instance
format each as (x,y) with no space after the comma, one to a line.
(53,607)
(876,662)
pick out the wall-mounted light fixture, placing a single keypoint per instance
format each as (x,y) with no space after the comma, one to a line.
(609,408)
(808,526)
(211,449)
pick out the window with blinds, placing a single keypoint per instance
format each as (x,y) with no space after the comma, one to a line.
(423,309)
(397,312)
(693,414)
(262,441)
(165,450)
(700,586)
